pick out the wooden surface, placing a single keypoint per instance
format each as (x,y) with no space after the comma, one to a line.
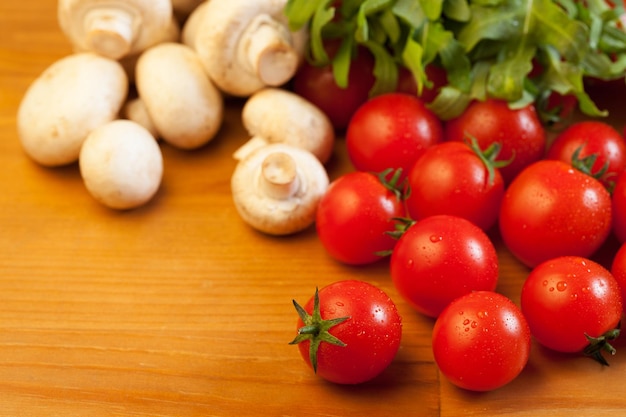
(180,309)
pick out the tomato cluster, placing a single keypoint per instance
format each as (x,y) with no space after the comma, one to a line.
(429,194)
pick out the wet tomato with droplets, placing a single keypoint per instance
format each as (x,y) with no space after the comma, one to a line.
(349,331)
(518,131)
(552,209)
(481,341)
(391,131)
(440,258)
(570,302)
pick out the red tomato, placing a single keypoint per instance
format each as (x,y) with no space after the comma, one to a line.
(551,209)
(481,341)
(618,205)
(349,332)
(569,298)
(354,216)
(519,132)
(451,178)
(560,107)
(593,138)
(435,74)
(441,258)
(391,131)
(318,85)
(618,270)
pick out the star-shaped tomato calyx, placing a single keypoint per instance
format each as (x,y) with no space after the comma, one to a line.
(316,330)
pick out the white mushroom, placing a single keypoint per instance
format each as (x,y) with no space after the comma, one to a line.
(247,45)
(121,164)
(185,106)
(72,97)
(135,110)
(190,28)
(276,115)
(276,189)
(114,28)
(172,34)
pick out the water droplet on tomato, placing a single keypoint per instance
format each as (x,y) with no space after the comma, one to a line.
(339,303)
(474,325)
(466,322)
(436,238)
(561,286)
(545,283)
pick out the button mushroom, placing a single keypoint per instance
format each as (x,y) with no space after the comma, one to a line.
(114,28)
(72,97)
(247,45)
(185,106)
(121,164)
(190,28)
(276,188)
(297,122)
(135,110)
(172,34)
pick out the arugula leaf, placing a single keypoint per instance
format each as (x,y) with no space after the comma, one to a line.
(320,18)
(516,50)
(509,72)
(456,10)
(300,12)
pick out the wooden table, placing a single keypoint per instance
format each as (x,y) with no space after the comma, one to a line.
(180,309)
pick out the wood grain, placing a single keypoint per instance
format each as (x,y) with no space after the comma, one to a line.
(180,309)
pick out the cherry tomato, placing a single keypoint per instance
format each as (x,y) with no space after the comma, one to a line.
(451,178)
(618,204)
(519,132)
(318,85)
(618,270)
(349,332)
(391,131)
(592,137)
(551,209)
(441,258)
(355,214)
(568,299)
(436,75)
(558,108)
(481,341)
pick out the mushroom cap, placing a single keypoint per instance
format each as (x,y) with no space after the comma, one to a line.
(190,27)
(290,209)
(246,45)
(172,34)
(72,97)
(114,28)
(121,164)
(135,110)
(278,115)
(185,106)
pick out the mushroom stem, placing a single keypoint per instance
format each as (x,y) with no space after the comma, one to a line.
(279,176)
(109,31)
(269,50)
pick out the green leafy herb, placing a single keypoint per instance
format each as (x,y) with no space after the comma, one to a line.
(515,50)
